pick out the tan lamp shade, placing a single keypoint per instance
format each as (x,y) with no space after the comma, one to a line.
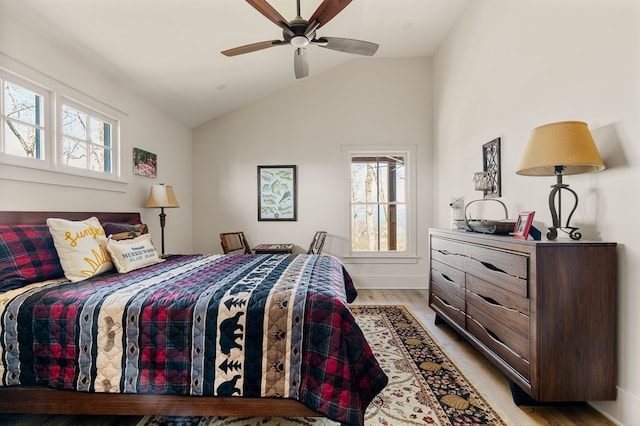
(162,196)
(567,144)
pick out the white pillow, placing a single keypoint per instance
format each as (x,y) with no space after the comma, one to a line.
(81,247)
(134,253)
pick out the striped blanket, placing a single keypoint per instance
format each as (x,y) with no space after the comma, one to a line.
(248,325)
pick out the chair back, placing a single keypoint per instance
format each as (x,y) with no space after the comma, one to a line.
(317,243)
(234,241)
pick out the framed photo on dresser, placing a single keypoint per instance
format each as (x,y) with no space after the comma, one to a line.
(523,225)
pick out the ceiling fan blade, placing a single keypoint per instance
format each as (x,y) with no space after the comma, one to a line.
(271,14)
(327,10)
(300,63)
(347,45)
(253,47)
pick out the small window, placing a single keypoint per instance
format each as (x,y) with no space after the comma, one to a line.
(380,204)
(22,117)
(86,140)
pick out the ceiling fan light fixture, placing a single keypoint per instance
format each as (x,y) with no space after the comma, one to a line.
(299,41)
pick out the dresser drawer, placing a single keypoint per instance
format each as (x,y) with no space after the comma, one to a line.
(493,343)
(509,327)
(448,304)
(507,303)
(447,277)
(448,252)
(504,269)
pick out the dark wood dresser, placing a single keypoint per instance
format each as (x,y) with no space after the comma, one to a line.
(544,312)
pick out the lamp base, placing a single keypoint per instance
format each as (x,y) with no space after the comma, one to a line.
(572,231)
(556,213)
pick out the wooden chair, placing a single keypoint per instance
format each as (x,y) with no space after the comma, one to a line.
(317,243)
(234,242)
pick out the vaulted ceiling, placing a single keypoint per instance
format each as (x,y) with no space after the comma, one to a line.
(168,51)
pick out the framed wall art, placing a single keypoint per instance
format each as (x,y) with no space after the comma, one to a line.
(277,197)
(145,163)
(491,165)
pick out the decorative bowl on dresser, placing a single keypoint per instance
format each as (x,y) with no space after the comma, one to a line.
(544,312)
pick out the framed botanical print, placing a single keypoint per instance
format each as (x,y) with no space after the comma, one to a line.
(277,196)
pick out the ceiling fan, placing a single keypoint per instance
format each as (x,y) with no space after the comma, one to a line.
(301,33)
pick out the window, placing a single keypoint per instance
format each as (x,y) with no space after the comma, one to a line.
(380,207)
(49,131)
(86,140)
(22,118)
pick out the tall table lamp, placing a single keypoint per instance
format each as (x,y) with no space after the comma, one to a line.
(563,148)
(162,196)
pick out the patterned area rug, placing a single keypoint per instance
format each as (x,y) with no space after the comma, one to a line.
(424,387)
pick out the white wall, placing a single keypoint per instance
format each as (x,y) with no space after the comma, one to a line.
(364,102)
(510,66)
(147,128)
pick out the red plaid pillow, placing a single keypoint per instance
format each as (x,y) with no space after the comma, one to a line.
(27,255)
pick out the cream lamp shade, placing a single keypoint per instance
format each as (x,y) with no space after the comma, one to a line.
(565,147)
(162,196)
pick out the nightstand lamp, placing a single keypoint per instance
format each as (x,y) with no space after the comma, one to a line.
(162,196)
(563,148)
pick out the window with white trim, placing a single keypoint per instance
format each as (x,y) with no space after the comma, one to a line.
(86,139)
(381,203)
(22,115)
(80,136)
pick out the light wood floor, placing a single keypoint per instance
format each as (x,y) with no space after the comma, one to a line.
(491,382)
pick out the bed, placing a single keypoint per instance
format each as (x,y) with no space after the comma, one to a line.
(197,335)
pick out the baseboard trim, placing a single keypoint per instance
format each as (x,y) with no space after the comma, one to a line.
(625,410)
(377,282)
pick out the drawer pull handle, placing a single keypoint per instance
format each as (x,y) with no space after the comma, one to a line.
(445,302)
(490,301)
(447,252)
(447,278)
(492,267)
(495,337)
(494,302)
(498,340)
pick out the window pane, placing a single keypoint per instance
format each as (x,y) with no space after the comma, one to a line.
(22,140)
(74,123)
(358,178)
(364,180)
(364,228)
(383,181)
(401,179)
(401,227)
(22,104)
(395,175)
(100,132)
(74,153)
(98,160)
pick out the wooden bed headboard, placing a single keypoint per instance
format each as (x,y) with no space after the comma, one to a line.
(38,217)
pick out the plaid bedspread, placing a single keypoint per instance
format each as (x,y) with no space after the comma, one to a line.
(253,326)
